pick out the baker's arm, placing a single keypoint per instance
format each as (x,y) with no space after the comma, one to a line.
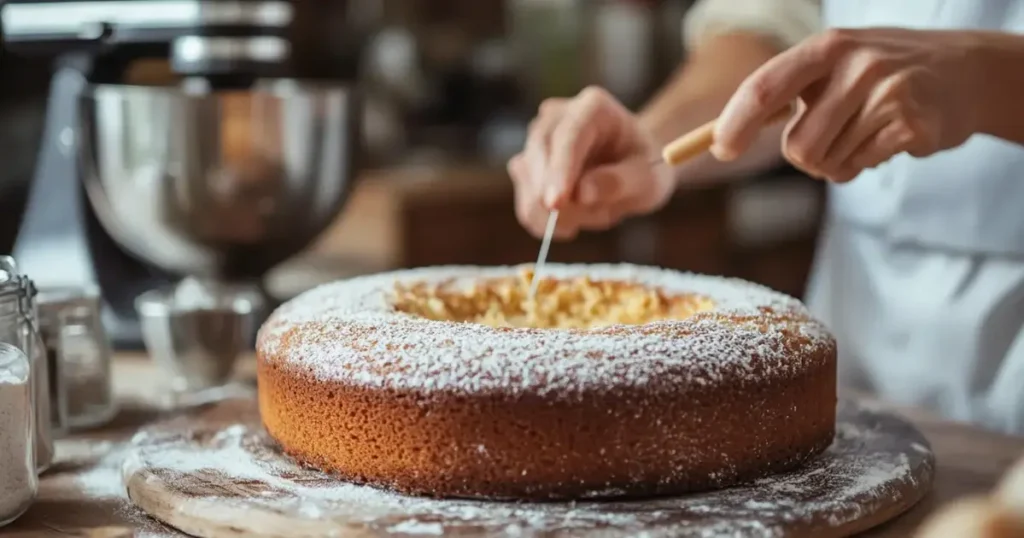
(999,58)
(727,40)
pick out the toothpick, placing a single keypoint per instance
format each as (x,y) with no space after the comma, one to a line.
(543,256)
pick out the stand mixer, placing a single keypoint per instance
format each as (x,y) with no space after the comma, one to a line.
(234,164)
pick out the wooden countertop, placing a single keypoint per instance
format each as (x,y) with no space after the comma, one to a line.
(81,495)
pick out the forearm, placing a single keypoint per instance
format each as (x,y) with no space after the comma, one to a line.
(999,60)
(699,91)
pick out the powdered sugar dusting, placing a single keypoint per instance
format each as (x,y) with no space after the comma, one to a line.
(348,331)
(233,470)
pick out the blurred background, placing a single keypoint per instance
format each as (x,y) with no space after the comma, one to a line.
(448,88)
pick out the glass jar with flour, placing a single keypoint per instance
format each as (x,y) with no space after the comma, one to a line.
(19,327)
(77,347)
(18,478)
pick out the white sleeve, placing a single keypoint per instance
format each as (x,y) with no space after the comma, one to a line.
(788,21)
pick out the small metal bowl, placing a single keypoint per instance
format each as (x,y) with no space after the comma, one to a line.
(199,342)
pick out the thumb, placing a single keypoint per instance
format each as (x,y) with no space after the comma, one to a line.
(630,186)
(610,183)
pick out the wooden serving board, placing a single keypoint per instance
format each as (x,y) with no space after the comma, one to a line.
(217,474)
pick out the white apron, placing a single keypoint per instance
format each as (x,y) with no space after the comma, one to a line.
(920,271)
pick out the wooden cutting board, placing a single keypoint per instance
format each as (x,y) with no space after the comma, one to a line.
(217,474)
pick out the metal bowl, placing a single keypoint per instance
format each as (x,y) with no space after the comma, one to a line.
(197,343)
(219,184)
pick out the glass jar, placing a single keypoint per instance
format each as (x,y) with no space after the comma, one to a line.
(19,327)
(19,480)
(69,321)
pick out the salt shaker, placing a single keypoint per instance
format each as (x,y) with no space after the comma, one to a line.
(69,321)
(18,478)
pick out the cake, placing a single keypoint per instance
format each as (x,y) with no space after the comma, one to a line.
(617,381)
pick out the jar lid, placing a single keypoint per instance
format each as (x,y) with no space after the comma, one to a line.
(10,280)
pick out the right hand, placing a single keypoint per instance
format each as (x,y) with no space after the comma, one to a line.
(589,158)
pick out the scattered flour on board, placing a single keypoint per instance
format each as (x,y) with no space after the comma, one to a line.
(418,528)
(101,481)
(845,484)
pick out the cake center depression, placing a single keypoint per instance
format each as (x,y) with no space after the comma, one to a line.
(578,303)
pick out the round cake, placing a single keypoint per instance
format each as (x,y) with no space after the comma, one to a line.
(615,381)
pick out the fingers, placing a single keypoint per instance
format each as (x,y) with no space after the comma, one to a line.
(529,212)
(863,127)
(841,163)
(890,141)
(533,215)
(875,134)
(563,137)
(578,131)
(774,86)
(552,105)
(577,158)
(600,186)
(620,190)
(608,194)
(865,96)
(538,143)
(601,200)
(833,105)
(864,149)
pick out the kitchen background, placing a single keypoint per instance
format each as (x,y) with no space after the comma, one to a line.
(449,88)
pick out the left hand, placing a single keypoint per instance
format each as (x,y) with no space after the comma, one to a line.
(863,96)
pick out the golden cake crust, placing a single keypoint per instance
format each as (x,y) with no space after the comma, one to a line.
(350,384)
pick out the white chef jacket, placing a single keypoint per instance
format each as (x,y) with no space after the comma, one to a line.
(920,272)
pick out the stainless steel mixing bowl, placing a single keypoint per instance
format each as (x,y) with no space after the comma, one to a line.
(196,337)
(219,184)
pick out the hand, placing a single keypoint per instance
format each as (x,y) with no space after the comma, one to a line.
(863,96)
(588,158)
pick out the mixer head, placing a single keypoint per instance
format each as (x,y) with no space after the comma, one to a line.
(224,178)
(229,43)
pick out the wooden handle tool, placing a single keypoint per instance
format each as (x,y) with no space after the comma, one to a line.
(699,140)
